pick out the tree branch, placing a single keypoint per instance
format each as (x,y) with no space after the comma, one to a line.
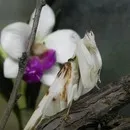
(99,107)
(22,65)
(119,123)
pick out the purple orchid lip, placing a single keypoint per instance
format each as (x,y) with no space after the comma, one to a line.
(34,70)
(49,59)
(37,65)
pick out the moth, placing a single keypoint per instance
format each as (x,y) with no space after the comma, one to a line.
(76,77)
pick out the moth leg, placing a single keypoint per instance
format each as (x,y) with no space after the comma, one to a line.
(66,116)
(97,87)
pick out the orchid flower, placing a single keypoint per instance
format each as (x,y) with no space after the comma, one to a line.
(48,51)
(80,59)
(77,77)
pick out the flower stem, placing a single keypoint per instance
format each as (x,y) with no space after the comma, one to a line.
(22,65)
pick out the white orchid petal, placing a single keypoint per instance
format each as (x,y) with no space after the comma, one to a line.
(10,68)
(50,75)
(64,43)
(14,39)
(46,22)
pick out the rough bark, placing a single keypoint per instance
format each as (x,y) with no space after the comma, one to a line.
(119,123)
(99,107)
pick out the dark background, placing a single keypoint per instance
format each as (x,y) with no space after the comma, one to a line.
(108,19)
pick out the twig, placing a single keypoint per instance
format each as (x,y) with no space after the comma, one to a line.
(100,107)
(22,65)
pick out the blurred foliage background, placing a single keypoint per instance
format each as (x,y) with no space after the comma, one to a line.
(109,20)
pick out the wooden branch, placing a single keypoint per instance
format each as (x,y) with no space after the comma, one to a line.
(96,107)
(22,65)
(119,123)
